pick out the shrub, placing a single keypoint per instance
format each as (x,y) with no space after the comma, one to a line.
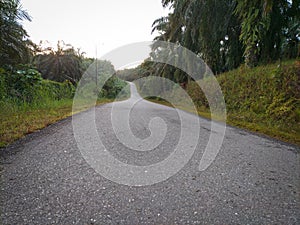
(21,82)
(25,84)
(113,88)
(57,90)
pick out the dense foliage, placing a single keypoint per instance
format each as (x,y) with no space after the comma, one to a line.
(106,84)
(131,74)
(25,84)
(14,42)
(227,33)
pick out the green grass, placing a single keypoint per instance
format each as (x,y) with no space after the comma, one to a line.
(265,99)
(17,120)
(287,135)
(279,132)
(205,114)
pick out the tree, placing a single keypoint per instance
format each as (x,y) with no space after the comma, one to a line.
(64,63)
(266,26)
(201,26)
(291,33)
(14,40)
(226,33)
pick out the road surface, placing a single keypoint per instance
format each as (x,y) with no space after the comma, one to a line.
(46,179)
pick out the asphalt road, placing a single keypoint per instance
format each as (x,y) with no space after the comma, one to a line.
(47,180)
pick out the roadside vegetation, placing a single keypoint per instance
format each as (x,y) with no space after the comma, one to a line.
(38,82)
(264,99)
(28,102)
(252,47)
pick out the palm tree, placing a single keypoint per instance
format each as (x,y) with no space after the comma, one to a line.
(13,38)
(200,26)
(64,63)
(264,27)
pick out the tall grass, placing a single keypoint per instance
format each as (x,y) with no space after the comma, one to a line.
(47,102)
(264,99)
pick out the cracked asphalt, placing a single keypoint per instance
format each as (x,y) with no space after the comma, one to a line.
(46,180)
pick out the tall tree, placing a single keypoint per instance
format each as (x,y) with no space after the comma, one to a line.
(226,33)
(266,26)
(13,38)
(204,27)
(63,63)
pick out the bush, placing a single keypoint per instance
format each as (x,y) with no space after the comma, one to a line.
(22,83)
(57,90)
(115,87)
(25,84)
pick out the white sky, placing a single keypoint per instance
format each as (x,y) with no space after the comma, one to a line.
(85,24)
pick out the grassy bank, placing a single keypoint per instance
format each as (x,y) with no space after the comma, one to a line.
(19,120)
(265,99)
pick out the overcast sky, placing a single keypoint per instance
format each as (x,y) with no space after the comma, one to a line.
(107,24)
